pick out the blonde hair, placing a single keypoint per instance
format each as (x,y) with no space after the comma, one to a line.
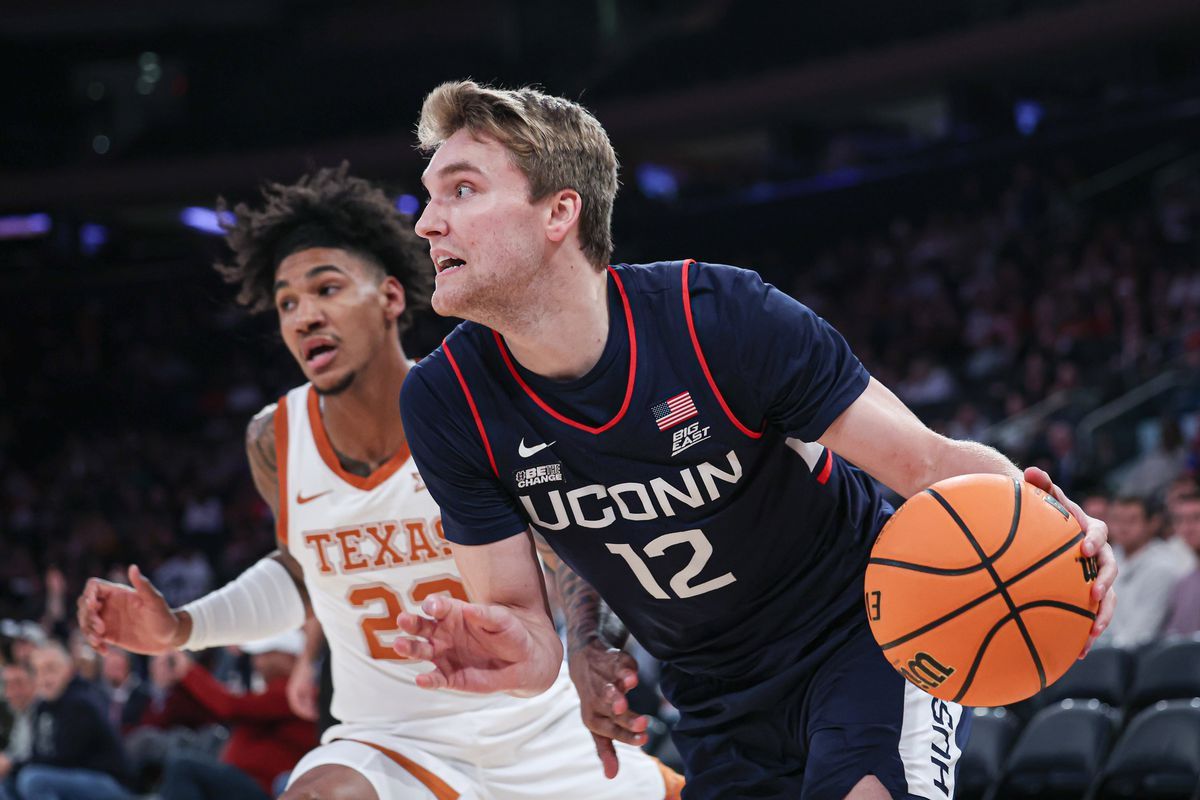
(556,143)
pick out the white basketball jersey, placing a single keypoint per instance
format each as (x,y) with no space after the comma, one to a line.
(371,547)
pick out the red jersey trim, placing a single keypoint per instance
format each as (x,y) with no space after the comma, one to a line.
(471,402)
(280,421)
(628,386)
(823,477)
(385,470)
(687,313)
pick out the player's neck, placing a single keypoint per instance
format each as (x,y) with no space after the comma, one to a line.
(363,422)
(564,332)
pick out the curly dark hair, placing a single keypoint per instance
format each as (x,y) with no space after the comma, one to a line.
(327,208)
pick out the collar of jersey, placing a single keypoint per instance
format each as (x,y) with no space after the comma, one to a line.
(542,404)
(325,448)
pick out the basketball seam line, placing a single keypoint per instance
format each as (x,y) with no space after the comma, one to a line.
(1037,661)
(1012,537)
(1004,621)
(988,595)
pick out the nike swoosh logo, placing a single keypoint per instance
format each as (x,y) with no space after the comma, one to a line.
(526,452)
(301,499)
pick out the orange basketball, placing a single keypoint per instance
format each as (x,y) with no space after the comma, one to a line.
(978,592)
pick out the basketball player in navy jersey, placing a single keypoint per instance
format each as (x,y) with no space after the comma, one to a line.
(696,445)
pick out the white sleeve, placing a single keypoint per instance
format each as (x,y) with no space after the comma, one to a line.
(263,601)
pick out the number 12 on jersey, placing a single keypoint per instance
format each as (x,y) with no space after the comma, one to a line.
(680,583)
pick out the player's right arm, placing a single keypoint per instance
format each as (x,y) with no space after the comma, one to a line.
(267,599)
(603,673)
(503,640)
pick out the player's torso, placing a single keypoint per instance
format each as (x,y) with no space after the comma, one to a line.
(693,526)
(370,548)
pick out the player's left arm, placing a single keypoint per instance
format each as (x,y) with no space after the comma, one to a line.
(880,435)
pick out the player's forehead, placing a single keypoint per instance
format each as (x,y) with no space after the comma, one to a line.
(311,263)
(468,152)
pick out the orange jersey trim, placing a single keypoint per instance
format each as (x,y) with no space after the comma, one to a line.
(441,790)
(281,461)
(385,471)
(672,781)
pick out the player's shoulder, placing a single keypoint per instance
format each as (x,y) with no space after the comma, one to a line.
(701,276)
(261,426)
(436,380)
(440,366)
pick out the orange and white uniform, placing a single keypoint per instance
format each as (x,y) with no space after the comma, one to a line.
(370,548)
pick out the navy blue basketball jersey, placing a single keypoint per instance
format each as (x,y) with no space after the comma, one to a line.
(680,476)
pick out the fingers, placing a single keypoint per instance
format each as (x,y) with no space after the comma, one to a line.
(1039,478)
(615,699)
(141,584)
(608,756)
(1104,615)
(629,728)
(434,679)
(1108,607)
(416,649)
(91,623)
(1107,573)
(416,625)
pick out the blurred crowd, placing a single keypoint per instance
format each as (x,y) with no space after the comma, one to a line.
(1009,317)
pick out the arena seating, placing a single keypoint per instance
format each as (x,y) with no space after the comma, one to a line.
(1104,675)
(1167,670)
(1060,752)
(993,731)
(1158,756)
(1120,724)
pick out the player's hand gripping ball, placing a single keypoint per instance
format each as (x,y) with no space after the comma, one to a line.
(978,592)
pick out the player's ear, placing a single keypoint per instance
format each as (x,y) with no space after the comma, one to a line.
(563,211)
(392,298)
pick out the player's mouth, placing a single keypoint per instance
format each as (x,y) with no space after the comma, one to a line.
(319,352)
(445,264)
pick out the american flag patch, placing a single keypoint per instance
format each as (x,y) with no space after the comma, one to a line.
(673,411)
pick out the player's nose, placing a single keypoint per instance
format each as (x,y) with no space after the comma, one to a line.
(431,222)
(309,314)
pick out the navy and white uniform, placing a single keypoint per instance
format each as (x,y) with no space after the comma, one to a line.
(681,478)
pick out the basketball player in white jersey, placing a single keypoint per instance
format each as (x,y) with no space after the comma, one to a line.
(360,538)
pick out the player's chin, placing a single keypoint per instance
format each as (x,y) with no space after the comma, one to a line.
(333,384)
(453,297)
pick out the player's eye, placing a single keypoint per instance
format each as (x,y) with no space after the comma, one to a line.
(285,304)
(463,190)
(328,289)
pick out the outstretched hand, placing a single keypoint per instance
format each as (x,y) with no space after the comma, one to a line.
(134,617)
(1095,543)
(479,648)
(603,676)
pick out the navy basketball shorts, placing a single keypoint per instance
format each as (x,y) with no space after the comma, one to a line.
(813,731)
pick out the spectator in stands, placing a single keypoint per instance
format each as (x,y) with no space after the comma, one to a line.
(174,723)
(1152,472)
(24,638)
(76,754)
(267,737)
(1148,571)
(1094,501)
(1182,488)
(1184,611)
(128,697)
(19,697)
